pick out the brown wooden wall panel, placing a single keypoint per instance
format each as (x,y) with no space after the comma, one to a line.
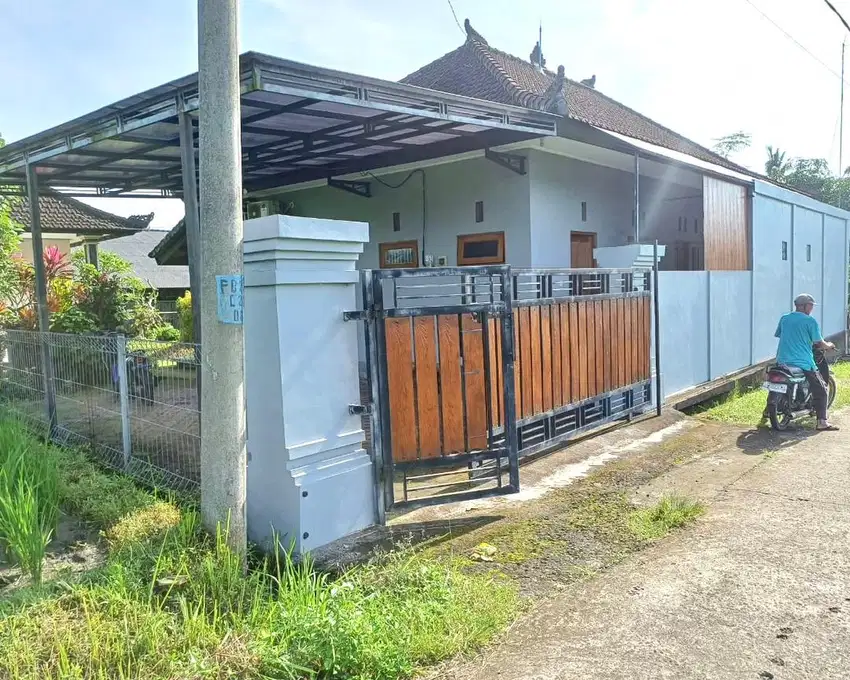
(496,384)
(450,385)
(427,396)
(517,369)
(557,359)
(726,238)
(598,342)
(566,341)
(575,345)
(591,349)
(621,343)
(647,338)
(607,343)
(546,355)
(400,379)
(536,366)
(473,362)
(581,321)
(526,388)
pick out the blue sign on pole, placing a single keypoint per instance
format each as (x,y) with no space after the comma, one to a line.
(230,294)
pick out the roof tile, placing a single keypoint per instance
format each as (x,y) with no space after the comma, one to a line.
(65,214)
(478,70)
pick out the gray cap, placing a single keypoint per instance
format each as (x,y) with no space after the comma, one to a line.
(804,299)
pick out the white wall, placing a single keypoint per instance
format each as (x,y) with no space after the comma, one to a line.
(834,275)
(772,282)
(706,329)
(716,323)
(559,185)
(451,192)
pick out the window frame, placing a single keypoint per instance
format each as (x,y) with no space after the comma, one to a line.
(463,239)
(383,248)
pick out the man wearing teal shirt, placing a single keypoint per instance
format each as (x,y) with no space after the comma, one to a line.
(798,332)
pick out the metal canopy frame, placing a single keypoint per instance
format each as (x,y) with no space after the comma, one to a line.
(299,123)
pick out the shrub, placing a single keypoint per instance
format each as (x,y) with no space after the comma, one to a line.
(29,497)
(168,333)
(184,309)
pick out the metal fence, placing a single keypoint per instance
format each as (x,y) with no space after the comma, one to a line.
(133,402)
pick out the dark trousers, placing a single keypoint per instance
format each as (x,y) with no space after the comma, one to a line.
(819,394)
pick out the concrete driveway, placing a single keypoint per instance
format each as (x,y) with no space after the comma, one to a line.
(758,588)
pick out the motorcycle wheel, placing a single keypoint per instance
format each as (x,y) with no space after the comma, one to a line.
(831,389)
(778,411)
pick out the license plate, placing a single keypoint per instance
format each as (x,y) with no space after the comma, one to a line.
(776,387)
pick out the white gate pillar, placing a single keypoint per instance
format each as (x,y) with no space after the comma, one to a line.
(309,478)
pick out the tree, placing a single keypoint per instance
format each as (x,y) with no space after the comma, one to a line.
(776,166)
(729,144)
(10,239)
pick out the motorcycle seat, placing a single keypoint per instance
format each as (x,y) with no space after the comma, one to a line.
(790,370)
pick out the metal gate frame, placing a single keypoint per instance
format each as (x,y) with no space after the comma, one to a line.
(487,292)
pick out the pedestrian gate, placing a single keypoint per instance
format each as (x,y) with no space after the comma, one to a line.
(469,369)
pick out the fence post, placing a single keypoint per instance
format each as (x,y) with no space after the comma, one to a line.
(124,396)
(507,331)
(659,396)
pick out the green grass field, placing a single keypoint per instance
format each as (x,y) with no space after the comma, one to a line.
(746,408)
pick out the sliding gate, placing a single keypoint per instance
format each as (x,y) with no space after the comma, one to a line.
(469,369)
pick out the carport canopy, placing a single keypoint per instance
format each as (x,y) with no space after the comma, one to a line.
(299,123)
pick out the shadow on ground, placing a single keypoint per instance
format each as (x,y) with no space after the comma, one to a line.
(763,440)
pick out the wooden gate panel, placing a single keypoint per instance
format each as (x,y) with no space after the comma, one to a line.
(427,395)
(546,369)
(472,337)
(400,379)
(536,367)
(451,391)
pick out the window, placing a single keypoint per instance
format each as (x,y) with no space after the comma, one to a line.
(584,211)
(479,211)
(481,248)
(399,254)
(396,221)
(808,253)
(785,250)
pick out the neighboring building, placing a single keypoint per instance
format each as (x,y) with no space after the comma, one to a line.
(67,223)
(737,246)
(169,282)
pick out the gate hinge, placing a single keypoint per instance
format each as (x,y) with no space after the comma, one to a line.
(359,409)
(358,315)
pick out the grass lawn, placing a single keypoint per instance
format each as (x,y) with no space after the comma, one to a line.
(746,408)
(168,601)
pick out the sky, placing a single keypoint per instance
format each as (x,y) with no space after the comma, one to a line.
(704,69)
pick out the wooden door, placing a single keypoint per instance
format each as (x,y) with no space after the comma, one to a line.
(581,250)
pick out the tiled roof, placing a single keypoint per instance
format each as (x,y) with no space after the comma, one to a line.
(171,248)
(135,248)
(64,214)
(476,69)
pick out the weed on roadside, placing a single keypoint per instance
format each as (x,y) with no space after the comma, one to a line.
(671,512)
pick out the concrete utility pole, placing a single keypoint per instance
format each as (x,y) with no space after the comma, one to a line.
(223,452)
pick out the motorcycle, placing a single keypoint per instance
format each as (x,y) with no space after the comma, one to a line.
(141,380)
(788,394)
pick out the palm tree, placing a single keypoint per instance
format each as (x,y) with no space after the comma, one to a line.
(776,167)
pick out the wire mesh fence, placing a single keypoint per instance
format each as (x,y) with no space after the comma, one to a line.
(133,402)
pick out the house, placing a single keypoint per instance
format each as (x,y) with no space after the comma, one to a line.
(481,157)
(737,247)
(67,223)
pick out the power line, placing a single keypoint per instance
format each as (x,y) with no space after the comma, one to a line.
(795,41)
(451,7)
(837,13)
